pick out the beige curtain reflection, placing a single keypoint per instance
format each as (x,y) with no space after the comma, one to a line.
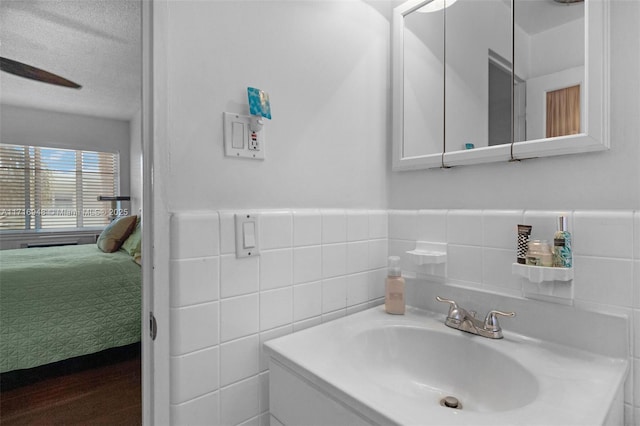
(563,111)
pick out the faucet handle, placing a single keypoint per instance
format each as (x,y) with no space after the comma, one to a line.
(453,303)
(454,310)
(491,321)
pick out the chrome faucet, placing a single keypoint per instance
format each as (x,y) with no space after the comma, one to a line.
(464,320)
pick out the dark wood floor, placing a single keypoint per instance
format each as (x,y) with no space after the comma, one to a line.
(107,395)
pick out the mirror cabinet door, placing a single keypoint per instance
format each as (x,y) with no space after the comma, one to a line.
(477,81)
(549,82)
(423,89)
(478,74)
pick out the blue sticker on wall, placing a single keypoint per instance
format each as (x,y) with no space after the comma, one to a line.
(259,102)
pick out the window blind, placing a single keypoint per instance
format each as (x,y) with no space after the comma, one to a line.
(51,188)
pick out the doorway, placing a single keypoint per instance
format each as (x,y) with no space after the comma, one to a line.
(52,35)
(505,90)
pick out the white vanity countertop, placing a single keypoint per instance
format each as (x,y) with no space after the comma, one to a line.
(566,386)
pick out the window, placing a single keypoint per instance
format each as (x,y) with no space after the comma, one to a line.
(50,188)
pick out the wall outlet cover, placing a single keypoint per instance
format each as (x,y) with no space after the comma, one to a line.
(239,140)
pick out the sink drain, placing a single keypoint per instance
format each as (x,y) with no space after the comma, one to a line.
(451,402)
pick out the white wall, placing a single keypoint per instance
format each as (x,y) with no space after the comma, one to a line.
(27,126)
(335,155)
(557,49)
(606,180)
(325,66)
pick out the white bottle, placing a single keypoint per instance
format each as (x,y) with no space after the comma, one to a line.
(394,294)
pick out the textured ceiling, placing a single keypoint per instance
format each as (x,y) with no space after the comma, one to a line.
(95,43)
(536,16)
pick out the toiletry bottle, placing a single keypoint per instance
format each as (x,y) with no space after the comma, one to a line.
(524,231)
(539,254)
(394,294)
(562,256)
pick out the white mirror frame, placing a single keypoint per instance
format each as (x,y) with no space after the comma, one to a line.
(596,102)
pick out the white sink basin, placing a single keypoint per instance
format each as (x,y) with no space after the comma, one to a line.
(390,369)
(425,365)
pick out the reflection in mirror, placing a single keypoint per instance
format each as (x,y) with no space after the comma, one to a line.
(478,57)
(511,74)
(553,66)
(501,79)
(423,89)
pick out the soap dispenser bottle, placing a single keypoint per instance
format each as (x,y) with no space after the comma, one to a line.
(562,256)
(394,293)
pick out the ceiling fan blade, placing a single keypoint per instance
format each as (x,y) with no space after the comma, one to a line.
(27,71)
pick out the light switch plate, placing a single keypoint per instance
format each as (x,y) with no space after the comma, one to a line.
(247,244)
(239,140)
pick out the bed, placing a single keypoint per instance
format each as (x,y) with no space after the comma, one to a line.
(62,302)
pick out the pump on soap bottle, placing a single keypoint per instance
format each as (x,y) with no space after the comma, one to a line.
(394,302)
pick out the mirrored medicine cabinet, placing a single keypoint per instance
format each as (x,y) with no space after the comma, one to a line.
(478,81)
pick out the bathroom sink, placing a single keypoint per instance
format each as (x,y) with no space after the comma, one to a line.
(427,365)
(375,368)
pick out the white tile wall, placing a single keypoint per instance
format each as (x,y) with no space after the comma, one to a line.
(276,308)
(239,402)
(334,226)
(378,225)
(307,228)
(276,230)
(357,225)
(194,235)
(431,225)
(319,265)
(481,249)
(238,276)
(334,260)
(357,256)
(307,300)
(187,331)
(193,411)
(602,233)
(276,268)
(314,266)
(307,264)
(334,294)
(464,227)
(239,317)
(194,374)
(194,281)
(403,224)
(357,289)
(494,224)
(240,359)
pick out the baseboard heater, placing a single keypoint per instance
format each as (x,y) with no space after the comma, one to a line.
(52,244)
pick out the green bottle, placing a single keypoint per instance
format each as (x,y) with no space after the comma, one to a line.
(562,256)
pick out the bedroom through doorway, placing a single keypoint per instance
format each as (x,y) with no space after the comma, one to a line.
(71,225)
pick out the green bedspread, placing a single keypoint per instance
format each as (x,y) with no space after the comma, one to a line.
(61,302)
